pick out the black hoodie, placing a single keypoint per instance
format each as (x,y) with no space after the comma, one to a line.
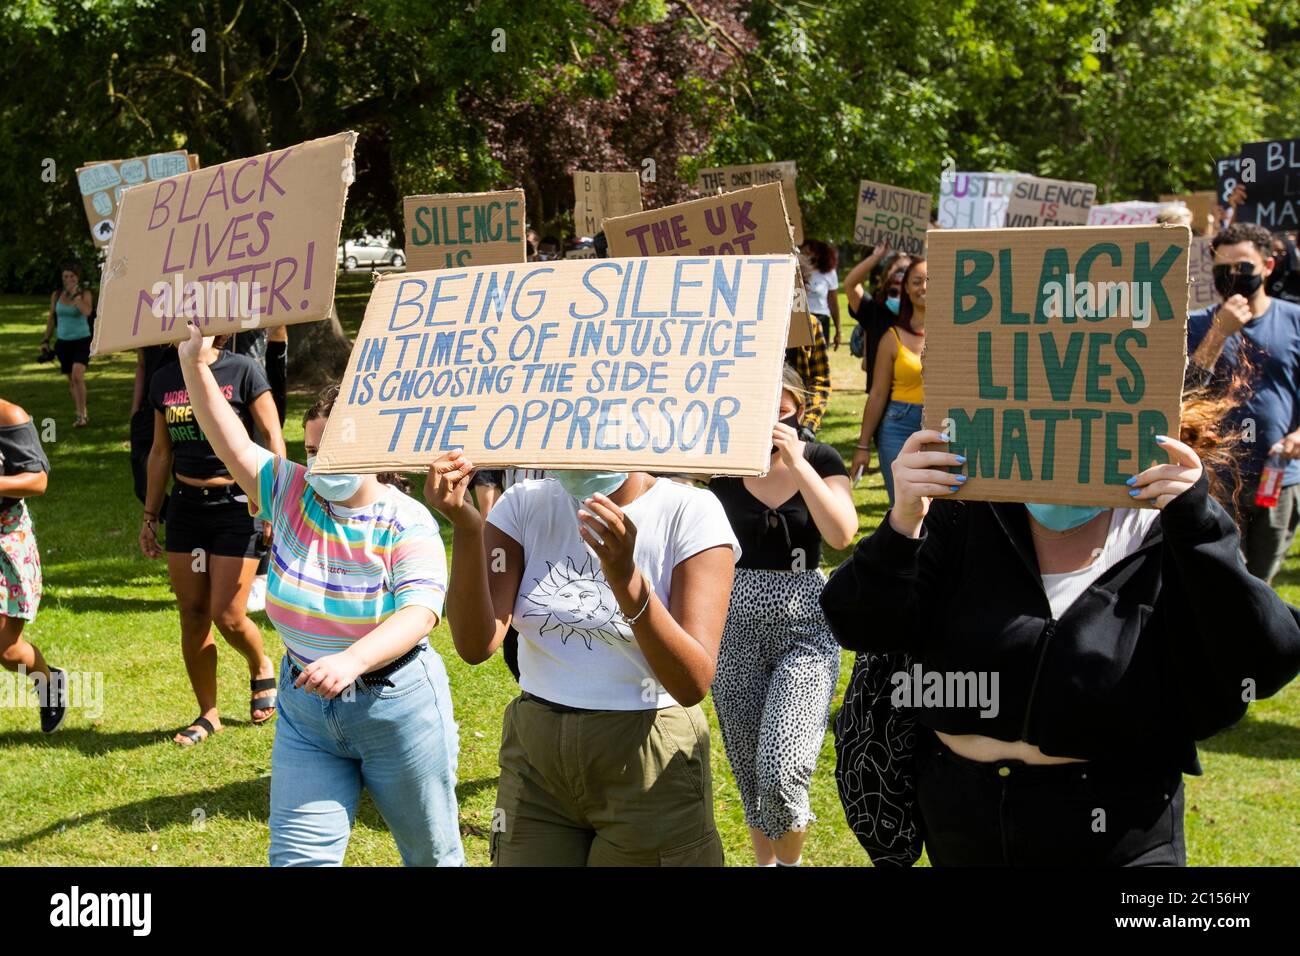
(1164,649)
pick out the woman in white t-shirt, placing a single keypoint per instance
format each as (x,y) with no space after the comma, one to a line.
(618,585)
(819,260)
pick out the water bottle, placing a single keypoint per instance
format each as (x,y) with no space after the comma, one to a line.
(1270,480)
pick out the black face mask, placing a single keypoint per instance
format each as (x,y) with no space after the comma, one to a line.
(1246,283)
(792,421)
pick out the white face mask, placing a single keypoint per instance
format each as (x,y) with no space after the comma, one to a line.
(583,484)
(333,487)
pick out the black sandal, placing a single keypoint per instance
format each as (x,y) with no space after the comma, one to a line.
(193,735)
(264,700)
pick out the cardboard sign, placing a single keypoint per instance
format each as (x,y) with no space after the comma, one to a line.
(597,196)
(244,245)
(450,230)
(1273,197)
(889,214)
(659,364)
(975,200)
(730,178)
(1049,202)
(1055,356)
(102,184)
(748,221)
(1201,293)
(1134,212)
(1200,205)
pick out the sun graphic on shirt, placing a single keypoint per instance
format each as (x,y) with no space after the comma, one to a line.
(577,600)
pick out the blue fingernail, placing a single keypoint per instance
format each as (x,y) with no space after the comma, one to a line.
(1135,492)
(1131,480)
(961,478)
(954,487)
(943,436)
(961,459)
(1161,439)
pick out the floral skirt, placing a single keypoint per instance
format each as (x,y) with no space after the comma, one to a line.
(20,564)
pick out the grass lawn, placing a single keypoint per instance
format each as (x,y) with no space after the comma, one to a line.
(110,788)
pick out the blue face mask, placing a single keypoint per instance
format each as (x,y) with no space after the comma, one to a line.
(1062,517)
(333,487)
(583,484)
(891,304)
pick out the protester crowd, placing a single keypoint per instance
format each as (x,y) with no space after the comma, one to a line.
(621,600)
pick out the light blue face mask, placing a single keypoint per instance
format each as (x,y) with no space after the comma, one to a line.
(333,487)
(583,484)
(892,304)
(1062,517)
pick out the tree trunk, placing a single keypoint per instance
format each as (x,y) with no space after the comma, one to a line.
(318,354)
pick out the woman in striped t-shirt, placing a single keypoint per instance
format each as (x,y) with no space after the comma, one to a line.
(357,579)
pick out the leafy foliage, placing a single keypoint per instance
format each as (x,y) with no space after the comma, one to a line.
(1137,96)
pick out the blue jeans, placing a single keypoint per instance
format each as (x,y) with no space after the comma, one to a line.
(398,742)
(901,419)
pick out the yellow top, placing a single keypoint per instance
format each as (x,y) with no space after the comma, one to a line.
(907,375)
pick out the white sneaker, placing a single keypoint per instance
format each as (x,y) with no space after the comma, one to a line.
(257,595)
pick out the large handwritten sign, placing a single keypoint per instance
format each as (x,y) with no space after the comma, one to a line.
(1054,357)
(1273,197)
(730,178)
(464,229)
(888,214)
(975,200)
(102,184)
(667,364)
(598,196)
(1036,201)
(745,222)
(247,244)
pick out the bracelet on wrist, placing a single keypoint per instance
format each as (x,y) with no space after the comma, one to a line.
(862,447)
(644,607)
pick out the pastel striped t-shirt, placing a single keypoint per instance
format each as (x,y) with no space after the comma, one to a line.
(336,573)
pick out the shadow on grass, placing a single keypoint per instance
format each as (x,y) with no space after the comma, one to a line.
(1265,739)
(114,605)
(93,742)
(246,799)
(243,799)
(467,788)
(86,740)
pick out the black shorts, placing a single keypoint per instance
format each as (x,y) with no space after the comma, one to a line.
(72,352)
(215,523)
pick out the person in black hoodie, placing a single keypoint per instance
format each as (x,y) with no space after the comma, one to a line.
(1112,640)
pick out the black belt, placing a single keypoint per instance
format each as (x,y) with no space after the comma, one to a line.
(213,494)
(373,678)
(558,708)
